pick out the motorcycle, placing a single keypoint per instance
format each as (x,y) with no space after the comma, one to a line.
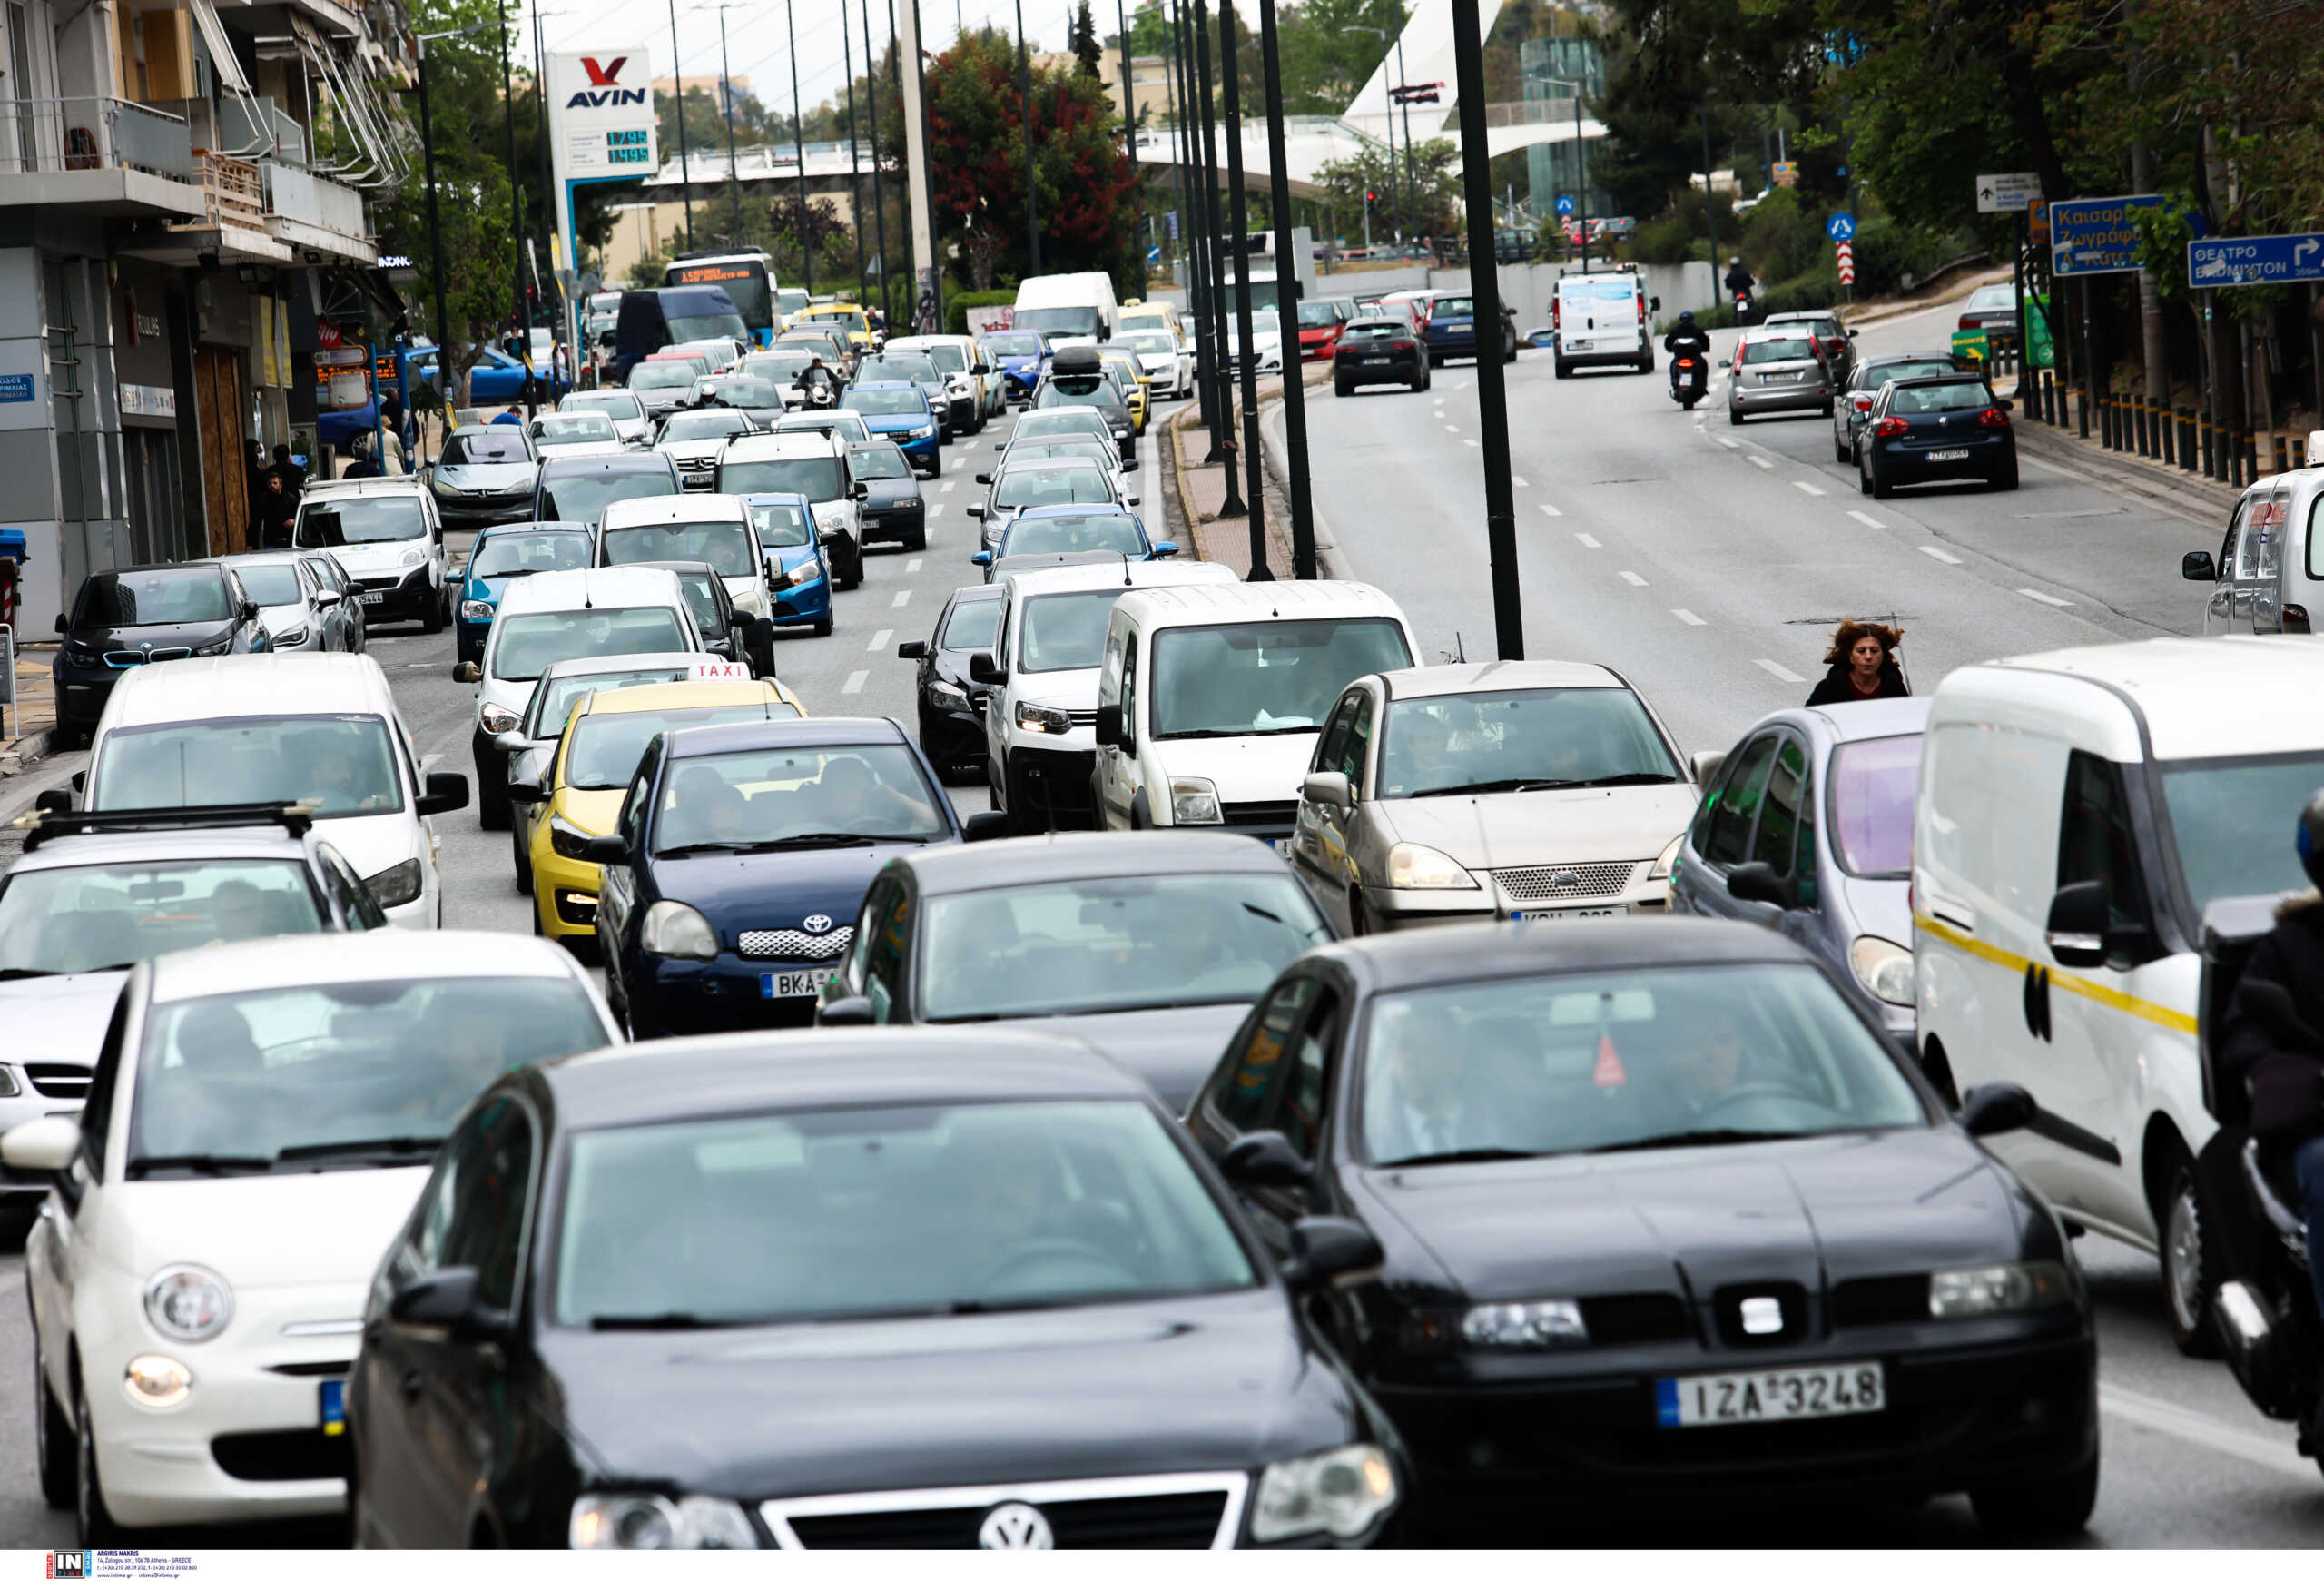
(2264,1309)
(1743,306)
(1689,379)
(819,396)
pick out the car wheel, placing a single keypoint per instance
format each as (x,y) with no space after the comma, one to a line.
(52,1440)
(1734,416)
(1863,476)
(2190,1265)
(1342,389)
(2004,480)
(521,860)
(1509,348)
(1840,451)
(1359,917)
(492,804)
(1876,486)
(823,627)
(95,1521)
(438,616)
(2051,1507)
(1559,368)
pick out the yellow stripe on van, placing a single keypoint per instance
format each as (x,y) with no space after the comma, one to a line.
(2161,1015)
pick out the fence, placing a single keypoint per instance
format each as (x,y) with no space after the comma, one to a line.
(45,136)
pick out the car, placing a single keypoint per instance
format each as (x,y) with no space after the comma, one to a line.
(725,631)
(1056,535)
(802,567)
(760,398)
(1925,430)
(485,474)
(949,701)
(501,554)
(973,386)
(889,504)
(1993,310)
(571,432)
(297,610)
(2261,583)
(663,384)
(1379,349)
(781,367)
(1675,1180)
(497,379)
(713,528)
(580,793)
(1165,358)
(1027,484)
(1075,377)
(1267,336)
(1528,791)
(1806,827)
(719,352)
(1451,329)
(715,1258)
(1022,356)
(1830,335)
(1862,386)
(1130,376)
(624,409)
(799,814)
(809,464)
(842,317)
(332,577)
(123,620)
(261,1121)
(692,439)
(1599,320)
(1060,447)
(1149,315)
(1149,948)
(557,616)
(830,343)
(577,488)
(1777,369)
(847,427)
(913,368)
(1321,319)
(1069,422)
(387,534)
(898,411)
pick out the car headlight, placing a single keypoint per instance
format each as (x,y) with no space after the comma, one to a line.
(10,1085)
(475,609)
(1195,801)
(567,840)
(1343,1493)
(945,694)
(289,638)
(925,430)
(158,1382)
(412,557)
(399,885)
(1882,966)
(494,718)
(2005,1286)
(1668,862)
(1412,866)
(79,660)
(649,1520)
(1043,721)
(806,573)
(224,645)
(188,1303)
(675,929)
(1523,1325)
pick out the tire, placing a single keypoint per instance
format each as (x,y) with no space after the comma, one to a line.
(1734,417)
(1688,403)
(1342,389)
(1559,368)
(2053,1506)
(1646,360)
(1509,348)
(54,1445)
(437,617)
(522,861)
(1426,379)
(917,541)
(1841,452)
(1876,486)
(492,810)
(1863,477)
(2002,482)
(1359,915)
(2190,1262)
(98,1528)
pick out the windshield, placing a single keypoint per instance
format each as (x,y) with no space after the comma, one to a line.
(101,917)
(615,404)
(901,1212)
(352,1074)
(483,447)
(708,326)
(1371,330)
(1873,786)
(583,496)
(947,358)
(662,375)
(351,518)
(1072,422)
(1052,322)
(1102,944)
(755,394)
(2228,817)
(975,623)
(271,585)
(1962,397)
(1986,297)
(344,761)
(783,527)
(1267,676)
(1585,1063)
(878,461)
(1064,631)
(1013,343)
(704,425)
(1054,486)
(816,477)
(526,644)
(1060,448)
(1152,343)
(796,795)
(553,703)
(729,548)
(573,427)
(604,751)
(790,300)
(521,554)
(906,365)
(1536,740)
(1067,535)
(885,402)
(1783,350)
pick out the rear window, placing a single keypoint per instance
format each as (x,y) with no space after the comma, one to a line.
(1452,307)
(973,624)
(1076,486)
(583,496)
(1966,396)
(1371,330)
(1786,349)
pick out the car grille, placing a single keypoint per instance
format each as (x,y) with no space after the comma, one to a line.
(126,659)
(1257,812)
(67,1081)
(1133,1512)
(792,944)
(1083,718)
(696,463)
(378,584)
(1574,881)
(1636,1320)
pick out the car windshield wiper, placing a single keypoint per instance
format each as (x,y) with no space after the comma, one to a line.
(1467,1155)
(1485,787)
(201,1163)
(400,1145)
(1640,777)
(1712,1138)
(662,1321)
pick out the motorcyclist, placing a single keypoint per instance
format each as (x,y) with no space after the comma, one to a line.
(1686,339)
(815,376)
(1739,279)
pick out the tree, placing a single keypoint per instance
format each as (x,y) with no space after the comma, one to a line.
(1434,208)
(1084,43)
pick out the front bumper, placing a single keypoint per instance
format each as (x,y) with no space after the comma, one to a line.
(678,998)
(1990,451)
(952,737)
(925,456)
(804,606)
(405,595)
(1053,788)
(1809,397)
(82,694)
(894,525)
(697,473)
(468,639)
(485,509)
(565,891)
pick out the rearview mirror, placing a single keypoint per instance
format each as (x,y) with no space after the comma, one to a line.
(1326,788)
(2004,402)
(445,793)
(977,512)
(860,491)
(1129,499)
(1991,1108)
(512,741)
(1263,1158)
(2079,931)
(911,650)
(326,597)
(2196,565)
(1705,766)
(854,1010)
(58,800)
(1331,1252)
(984,671)
(1165,549)
(981,557)
(985,478)
(63,625)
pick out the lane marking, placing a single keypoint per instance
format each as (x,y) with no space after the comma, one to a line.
(936,511)
(1723,440)
(1806,488)
(1517,482)
(887,635)
(1548,509)
(1777,670)
(902,599)
(2163,1417)
(1690,618)
(1761,462)
(948,484)
(854,682)
(1588,542)
(1876,526)
(1632,577)
(1472,444)
(1934,553)
(2040,598)
(1451,429)
(911,564)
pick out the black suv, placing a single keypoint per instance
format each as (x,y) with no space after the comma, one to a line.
(144,615)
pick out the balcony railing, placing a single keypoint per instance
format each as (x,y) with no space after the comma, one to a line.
(51,136)
(233,190)
(258,129)
(292,193)
(1531,112)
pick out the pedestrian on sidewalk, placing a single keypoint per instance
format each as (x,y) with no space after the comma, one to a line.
(1863,656)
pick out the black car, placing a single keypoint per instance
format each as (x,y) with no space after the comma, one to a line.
(1378,350)
(900,1289)
(889,506)
(1077,377)
(952,705)
(145,614)
(742,852)
(1149,947)
(1862,388)
(738,637)
(579,488)
(1926,430)
(1669,1221)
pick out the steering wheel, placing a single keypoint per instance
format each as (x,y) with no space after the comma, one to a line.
(1744,1092)
(1051,1250)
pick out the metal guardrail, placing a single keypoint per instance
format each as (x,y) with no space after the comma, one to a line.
(1529,113)
(52,136)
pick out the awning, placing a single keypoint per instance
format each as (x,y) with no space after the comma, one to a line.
(221,52)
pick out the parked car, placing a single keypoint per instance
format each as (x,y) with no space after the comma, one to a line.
(123,620)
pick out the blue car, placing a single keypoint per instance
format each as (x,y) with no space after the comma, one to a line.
(898,410)
(497,379)
(1451,329)
(796,566)
(1022,357)
(1060,535)
(746,852)
(502,554)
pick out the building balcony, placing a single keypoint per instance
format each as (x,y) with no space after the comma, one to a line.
(98,156)
(322,219)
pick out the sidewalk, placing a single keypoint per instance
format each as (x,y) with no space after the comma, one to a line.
(1193,504)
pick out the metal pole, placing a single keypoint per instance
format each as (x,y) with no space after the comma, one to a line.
(854,165)
(935,265)
(879,194)
(799,149)
(678,91)
(1294,382)
(1191,217)
(435,237)
(1223,404)
(1580,179)
(726,104)
(1411,177)
(1130,142)
(1484,286)
(549,181)
(1025,108)
(1255,494)
(515,215)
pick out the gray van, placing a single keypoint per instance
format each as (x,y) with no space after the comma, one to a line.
(2270,564)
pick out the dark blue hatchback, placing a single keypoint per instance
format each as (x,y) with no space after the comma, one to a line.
(1926,430)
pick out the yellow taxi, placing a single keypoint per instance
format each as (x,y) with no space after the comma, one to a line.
(1151,315)
(581,794)
(1137,388)
(845,316)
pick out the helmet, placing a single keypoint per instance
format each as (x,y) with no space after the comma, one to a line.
(1737,261)
(2308,841)
(1686,318)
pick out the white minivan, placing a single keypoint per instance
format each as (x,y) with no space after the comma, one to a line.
(2078,811)
(281,727)
(1211,697)
(1601,321)
(387,537)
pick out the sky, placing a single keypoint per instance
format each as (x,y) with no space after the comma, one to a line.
(757,46)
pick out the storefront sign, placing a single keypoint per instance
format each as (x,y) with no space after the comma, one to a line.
(148,401)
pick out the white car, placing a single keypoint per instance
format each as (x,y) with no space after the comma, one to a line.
(1167,362)
(974,385)
(263,1118)
(1267,335)
(715,529)
(810,462)
(577,433)
(296,607)
(387,537)
(631,424)
(692,439)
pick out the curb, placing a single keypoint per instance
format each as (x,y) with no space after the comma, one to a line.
(27,751)
(2200,502)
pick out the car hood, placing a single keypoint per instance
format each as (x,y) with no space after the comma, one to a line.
(322,1226)
(378,560)
(1245,768)
(281,619)
(1171,1049)
(590,811)
(613,447)
(1810,1210)
(60,1018)
(1197,1383)
(892,422)
(486,476)
(1519,828)
(765,889)
(138,638)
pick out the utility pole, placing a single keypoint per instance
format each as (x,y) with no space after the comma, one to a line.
(1411,180)
(799,150)
(879,192)
(1286,308)
(1130,142)
(935,264)
(854,166)
(1223,408)
(726,104)
(1025,108)
(678,91)
(1190,225)
(1255,499)
(1484,286)
(435,230)
(548,182)
(515,213)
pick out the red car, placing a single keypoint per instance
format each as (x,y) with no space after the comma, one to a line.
(1320,322)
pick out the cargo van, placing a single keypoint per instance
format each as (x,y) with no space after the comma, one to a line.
(2270,567)
(651,319)
(1067,309)
(1600,320)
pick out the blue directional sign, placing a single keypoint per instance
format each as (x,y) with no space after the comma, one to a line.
(2095,235)
(1841,227)
(2255,260)
(1565,203)
(1154,254)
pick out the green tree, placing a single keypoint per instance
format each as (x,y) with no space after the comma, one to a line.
(1433,199)
(1084,43)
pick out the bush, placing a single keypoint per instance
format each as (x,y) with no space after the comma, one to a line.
(1886,251)
(1673,239)
(956,304)
(1819,288)
(1780,238)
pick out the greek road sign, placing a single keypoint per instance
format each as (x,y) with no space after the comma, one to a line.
(1565,203)
(1841,227)
(1784,171)
(2094,236)
(2255,260)
(2009,192)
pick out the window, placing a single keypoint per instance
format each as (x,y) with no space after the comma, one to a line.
(107,916)
(1129,689)
(1358,749)
(486,1228)
(96,1110)
(1780,811)
(160,598)
(345,762)
(354,899)
(1873,786)
(2234,544)
(526,644)
(1245,1099)
(1331,747)
(2227,818)
(1300,1115)
(1497,741)
(1064,631)
(484,447)
(972,624)
(887,955)
(1733,803)
(2094,838)
(1265,677)
(729,548)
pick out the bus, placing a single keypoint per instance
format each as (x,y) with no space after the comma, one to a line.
(748,277)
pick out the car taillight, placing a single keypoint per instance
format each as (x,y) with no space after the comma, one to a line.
(1554,312)
(1888,428)
(1966,323)
(1864,403)
(1642,310)
(1993,417)
(2296,618)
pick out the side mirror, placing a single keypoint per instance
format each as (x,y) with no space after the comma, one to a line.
(467,674)
(63,625)
(1654,305)
(1165,549)
(58,800)
(512,741)
(326,597)
(448,1299)
(1758,881)
(1264,1158)
(445,793)
(854,1010)
(1723,362)
(608,849)
(860,491)
(2196,565)
(2004,402)
(1132,466)
(981,557)
(911,650)
(1129,499)
(1109,723)
(984,671)
(525,793)
(250,610)
(985,827)
(2079,932)
(985,478)
(1704,766)
(43,1146)
(976,512)
(1327,788)
(1851,334)
(1331,1252)
(1991,1108)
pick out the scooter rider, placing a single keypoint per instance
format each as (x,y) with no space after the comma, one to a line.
(1686,339)
(814,376)
(1739,279)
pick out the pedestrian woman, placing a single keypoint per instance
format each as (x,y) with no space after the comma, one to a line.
(1863,656)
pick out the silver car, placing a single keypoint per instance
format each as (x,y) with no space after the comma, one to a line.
(301,613)
(2263,582)
(1530,791)
(1777,369)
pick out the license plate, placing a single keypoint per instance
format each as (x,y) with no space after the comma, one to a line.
(795,984)
(375,597)
(1280,847)
(1948,455)
(1569,911)
(1377,361)
(334,1406)
(1784,1394)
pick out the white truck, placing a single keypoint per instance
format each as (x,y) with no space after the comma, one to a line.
(1067,309)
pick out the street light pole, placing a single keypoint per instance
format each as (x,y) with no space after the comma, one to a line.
(1190,211)
(1255,499)
(678,91)
(435,227)
(854,165)
(726,104)
(1223,404)
(1286,310)
(1388,111)
(1484,289)
(879,192)
(1130,142)
(1412,181)
(799,150)
(1025,108)
(515,213)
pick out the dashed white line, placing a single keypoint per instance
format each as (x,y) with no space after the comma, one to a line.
(1868,521)
(2040,598)
(1932,552)
(1777,670)
(936,511)
(1805,487)
(1723,440)
(1586,541)
(1632,577)
(887,635)
(1517,482)
(904,597)
(1472,444)
(948,484)
(2161,1416)
(1761,462)
(1549,509)
(911,564)
(855,680)
(1451,429)
(1690,618)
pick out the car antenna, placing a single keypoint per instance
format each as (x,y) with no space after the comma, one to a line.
(1460,649)
(1126,581)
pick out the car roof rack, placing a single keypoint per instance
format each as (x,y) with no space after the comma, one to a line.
(292,817)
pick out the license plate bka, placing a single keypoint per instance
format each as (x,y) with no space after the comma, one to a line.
(1948,455)
(1783,1394)
(795,984)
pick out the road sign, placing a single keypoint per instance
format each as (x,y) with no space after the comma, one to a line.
(1971,344)
(2008,192)
(1154,254)
(2094,236)
(1785,173)
(1841,227)
(2037,222)
(1565,203)
(1846,251)
(2255,260)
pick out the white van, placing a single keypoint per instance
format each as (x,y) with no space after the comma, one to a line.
(973,382)
(1041,751)
(1212,697)
(2270,564)
(387,537)
(281,727)
(1067,309)
(809,463)
(2077,812)
(1600,320)
(715,529)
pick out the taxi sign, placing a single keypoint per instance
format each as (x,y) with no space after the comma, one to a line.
(720,669)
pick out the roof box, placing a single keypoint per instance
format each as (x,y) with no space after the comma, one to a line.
(1076,359)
